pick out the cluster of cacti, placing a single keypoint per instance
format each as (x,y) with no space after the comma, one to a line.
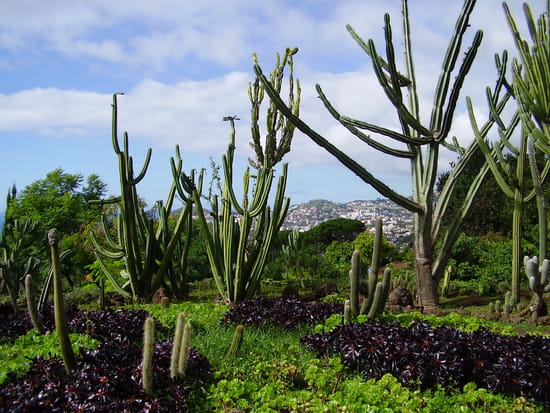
(59,306)
(180,347)
(539,283)
(147,253)
(375,292)
(242,232)
(420,143)
(504,308)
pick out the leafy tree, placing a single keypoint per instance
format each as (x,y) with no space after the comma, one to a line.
(60,200)
(338,229)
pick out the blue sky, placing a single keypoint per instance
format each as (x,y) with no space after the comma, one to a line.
(183,65)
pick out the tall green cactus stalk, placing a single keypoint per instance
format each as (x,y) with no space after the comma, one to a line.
(31,304)
(148,351)
(446,288)
(147,253)
(355,280)
(416,142)
(374,267)
(380,295)
(176,345)
(539,283)
(59,306)
(242,232)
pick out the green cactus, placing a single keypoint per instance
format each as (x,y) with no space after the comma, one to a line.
(508,303)
(31,304)
(176,345)
(148,253)
(420,143)
(539,283)
(148,351)
(184,349)
(236,341)
(59,306)
(498,306)
(355,280)
(242,232)
(491,307)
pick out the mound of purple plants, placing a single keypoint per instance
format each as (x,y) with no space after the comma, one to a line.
(430,356)
(281,312)
(108,378)
(14,324)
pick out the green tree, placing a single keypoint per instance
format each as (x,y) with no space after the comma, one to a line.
(60,201)
(364,243)
(338,229)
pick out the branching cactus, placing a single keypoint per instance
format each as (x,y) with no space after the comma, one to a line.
(148,351)
(242,231)
(417,141)
(147,253)
(59,306)
(539,283)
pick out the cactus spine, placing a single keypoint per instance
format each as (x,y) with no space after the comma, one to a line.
(236,341)
(31,304)
(148,351)
(176,345)
(59,307)
(184,349)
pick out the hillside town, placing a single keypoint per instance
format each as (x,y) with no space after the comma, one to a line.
(398,222)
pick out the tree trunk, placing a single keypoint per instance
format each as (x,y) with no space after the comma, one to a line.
(427,285)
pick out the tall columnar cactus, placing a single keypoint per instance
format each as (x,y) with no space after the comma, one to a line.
(380,295)
(242,232)
(374,268)
(355,281)
(148,351)
(59,306)
(31,304)
(147,253)
(417,142)
(539,283)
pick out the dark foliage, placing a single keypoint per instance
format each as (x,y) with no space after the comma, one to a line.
(281,312)
(445,356)
(108,378)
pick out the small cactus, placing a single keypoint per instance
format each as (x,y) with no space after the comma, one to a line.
(355,279)
(347,312)
(31,305)
(184,349)
(148,350)
(176,345)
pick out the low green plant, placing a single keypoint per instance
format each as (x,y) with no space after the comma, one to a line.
(15,356)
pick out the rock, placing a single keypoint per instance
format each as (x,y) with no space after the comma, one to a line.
(400,297)
(159,294)
(327,288)
(290,293)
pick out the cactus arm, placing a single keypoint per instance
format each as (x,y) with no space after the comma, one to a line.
(31,304)
(354,276)
(184,349)
(114,123)
(111,277)
(453,51)
(176,344)
(147,355)
(541,201)
(351,164)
